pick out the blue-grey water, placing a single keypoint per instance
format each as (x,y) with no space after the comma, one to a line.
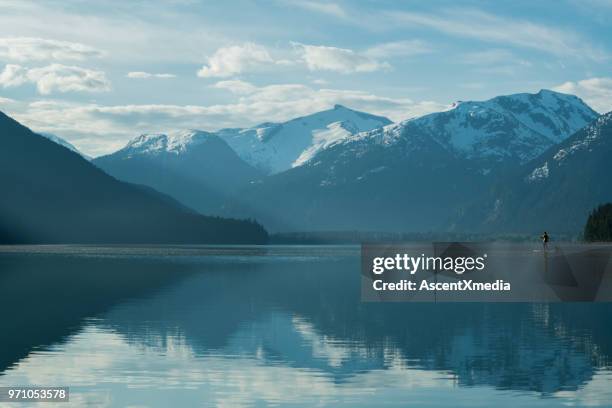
(278,326)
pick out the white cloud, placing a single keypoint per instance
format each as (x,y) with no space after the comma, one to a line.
(156,32)
(405,48)
(65,78)
(235,59)
(342,60)
(39,49)
(13,75)
(285,62)
(332,9)
(55,77)
(97,129)
(491,28)
(6,101)
(147,75)
(236,86)
(596,92)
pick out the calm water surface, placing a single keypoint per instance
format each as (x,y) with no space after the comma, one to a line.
(278,326)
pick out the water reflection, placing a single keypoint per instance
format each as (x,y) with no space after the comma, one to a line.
(282,325)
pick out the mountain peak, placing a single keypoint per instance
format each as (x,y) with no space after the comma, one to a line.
(550,92)
(514,127)
(172,142)
(553,114)
(544,91)
(279,146)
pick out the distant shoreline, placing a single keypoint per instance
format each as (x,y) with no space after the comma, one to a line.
(358,237)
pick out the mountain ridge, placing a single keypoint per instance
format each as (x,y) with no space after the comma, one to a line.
(197,168)
(63,142)
(276,147)
(409,176)
(53,195)
(422,174)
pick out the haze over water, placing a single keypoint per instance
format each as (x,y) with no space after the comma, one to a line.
(260,326)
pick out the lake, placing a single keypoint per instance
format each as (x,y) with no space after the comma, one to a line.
(191,326)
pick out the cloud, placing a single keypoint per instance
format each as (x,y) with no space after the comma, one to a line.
(331,9)
(235,59)
(285,101)
(320,82)
(55,77)
(596,92)
(491,28)
(6,101)
(13,75)
(405,48)
(98,129)
(342,60)
(236,86)
(39,49)
(147,75)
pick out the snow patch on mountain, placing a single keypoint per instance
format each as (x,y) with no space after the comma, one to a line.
(173,142)
(322,138)
(370,172)
(539,173)
(476,130)
(386,135)
(515,127)
(552,114)
(275,147)
(592,133)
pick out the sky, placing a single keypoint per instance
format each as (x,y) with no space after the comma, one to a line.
(101,73)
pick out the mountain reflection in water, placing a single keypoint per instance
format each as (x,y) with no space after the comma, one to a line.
(259,326)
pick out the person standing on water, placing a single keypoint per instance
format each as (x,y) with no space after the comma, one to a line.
(545,238)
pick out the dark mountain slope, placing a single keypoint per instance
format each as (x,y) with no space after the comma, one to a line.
(50,194)
(197,168)
(557,190)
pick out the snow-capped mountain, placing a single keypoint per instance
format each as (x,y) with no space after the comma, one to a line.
(420,174)
(552,114)
(319,172)
(514,127)
(557,190)
(176,142)
(65,143)
(197,168)
(275,147)
(201,170)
